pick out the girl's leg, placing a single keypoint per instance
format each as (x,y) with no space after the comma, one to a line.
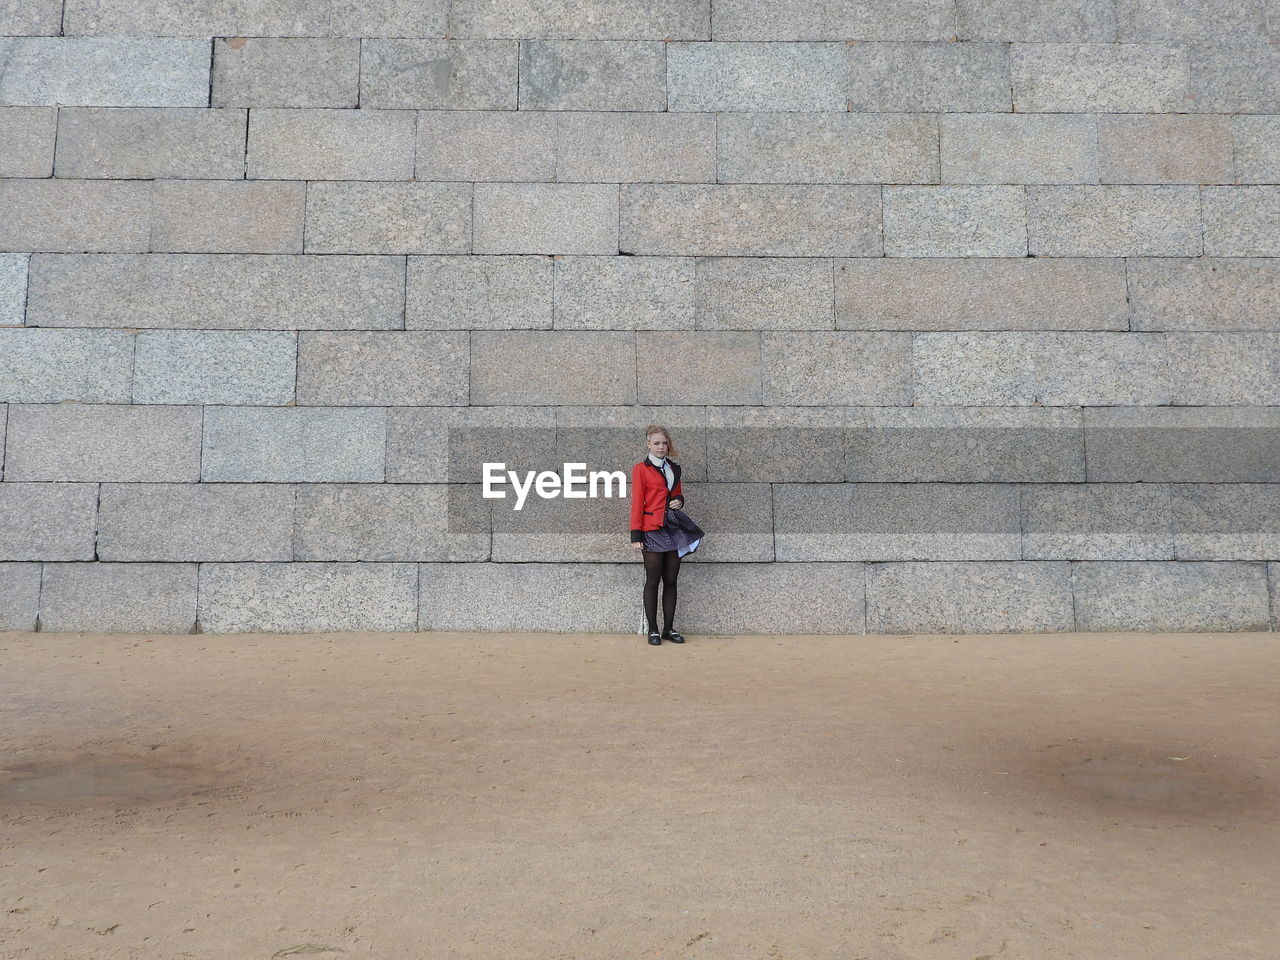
(652,575)
(670,570)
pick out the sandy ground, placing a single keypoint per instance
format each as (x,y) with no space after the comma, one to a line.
(443,796)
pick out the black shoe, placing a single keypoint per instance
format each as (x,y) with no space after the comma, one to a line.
(655,638)
(673,637)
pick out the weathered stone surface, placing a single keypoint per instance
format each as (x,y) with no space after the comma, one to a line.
(1214,521)
(624,293)
(450,444)
(554,597)
(307,597)
(1241,221)
(27,147)
(479,293)
(836,369)
(553,367)
(592,75)
(613,438)
(1207,369)
(1142,21)
(827,148)
(1165,149)
(150,143)
(486,145)
(259,18)
(1184,444)
(118,598)
(1018,148)
(46,366)
(75,215)
(1096,521)
(392,522)
(108,72)
(896,521)
(761,598)
(1100,78)
(626,147)
(1205,293)
(195,521)
(216,291)
(831,19)
(226,216)
(713,220)
(701,367)
(1256,148)
(75,442)
(30,18)
(969,597)
(606,20)
(716,77)
(285,72)
(211,366)
(1023,293)
(762,293)
(564,530)
(546,218)
(13,288)
(47,521)
(389,218)
(1186,597)
(923,76)
(293,444)
(382,368)
(936,221)
(775,444)
(19,595)
(1235,77)
(1036,20)
(1052,369)
(1113,221)
(438,74)
(964,444)
(331,144)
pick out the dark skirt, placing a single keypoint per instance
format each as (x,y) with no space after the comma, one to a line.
(678,532)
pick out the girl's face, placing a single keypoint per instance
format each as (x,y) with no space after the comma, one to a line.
(658,444)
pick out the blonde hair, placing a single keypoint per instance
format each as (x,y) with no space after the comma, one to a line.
(653,428)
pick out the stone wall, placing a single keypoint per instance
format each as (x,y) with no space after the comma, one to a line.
(965,315)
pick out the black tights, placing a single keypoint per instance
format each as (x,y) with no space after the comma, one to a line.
(663,566)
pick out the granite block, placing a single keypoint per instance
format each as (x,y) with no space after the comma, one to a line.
(331,144)
(150,143)
(217,291)
(624,293)
(47,521)
(382,368)
(479,293)
(254,367)
(758,220)
(48,366)
(89,442)
(552,367)
(764,293)
(118,598)
(827,148)
(840,368)
(1187,597)
(307,597)
(285,72)
(195,521)
(1009,596)
(294,444)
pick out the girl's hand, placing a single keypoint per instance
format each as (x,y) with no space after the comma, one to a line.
(677,503)
(637,544)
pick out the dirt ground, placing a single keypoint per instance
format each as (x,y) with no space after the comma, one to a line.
(443,796)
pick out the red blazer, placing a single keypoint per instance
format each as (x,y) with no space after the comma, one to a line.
(649,496)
